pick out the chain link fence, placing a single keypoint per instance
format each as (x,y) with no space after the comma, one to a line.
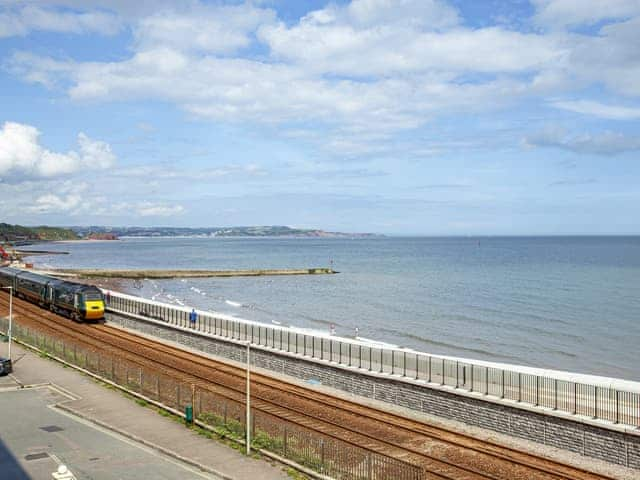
(319,452)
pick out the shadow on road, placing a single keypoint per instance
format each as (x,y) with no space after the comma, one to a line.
(9,466)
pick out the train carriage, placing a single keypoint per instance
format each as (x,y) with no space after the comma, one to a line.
(78,301)
(31,286)
(8,277)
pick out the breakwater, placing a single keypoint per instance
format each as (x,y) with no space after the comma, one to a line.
(160,274)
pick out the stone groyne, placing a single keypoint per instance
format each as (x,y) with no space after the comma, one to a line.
(157,274)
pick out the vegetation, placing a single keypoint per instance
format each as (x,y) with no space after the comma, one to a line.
(17,233)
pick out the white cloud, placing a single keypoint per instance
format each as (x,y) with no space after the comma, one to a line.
(560,13)
(149,209)
(21,20)
(360,73)
(333,40)
(432,14)
(597,109)
(215,29)
(55,203)
(21,154)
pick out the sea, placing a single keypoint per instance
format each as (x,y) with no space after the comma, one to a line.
(568,303)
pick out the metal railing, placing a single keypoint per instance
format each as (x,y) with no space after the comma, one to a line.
(570,393)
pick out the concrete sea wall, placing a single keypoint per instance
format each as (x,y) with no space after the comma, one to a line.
(611,443)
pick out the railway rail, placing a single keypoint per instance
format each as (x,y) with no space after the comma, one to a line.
(442,453)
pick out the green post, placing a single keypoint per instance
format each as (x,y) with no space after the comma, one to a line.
(188,414)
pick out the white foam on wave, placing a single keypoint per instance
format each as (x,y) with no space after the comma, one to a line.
(232,303)
(377,343)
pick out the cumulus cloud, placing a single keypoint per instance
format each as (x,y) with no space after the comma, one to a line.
(361,72)
(213,29)
(605,143)
(20,20)
(412,37)
(21,154)
(55,203)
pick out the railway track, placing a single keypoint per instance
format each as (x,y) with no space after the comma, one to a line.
(442,453)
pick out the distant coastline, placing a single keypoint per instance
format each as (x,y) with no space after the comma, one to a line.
(267,231)
(29,235)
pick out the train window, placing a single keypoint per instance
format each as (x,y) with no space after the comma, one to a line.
(89,296)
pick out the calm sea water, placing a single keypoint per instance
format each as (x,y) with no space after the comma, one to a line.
(570,303)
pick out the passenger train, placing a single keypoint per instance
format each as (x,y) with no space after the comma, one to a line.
(74,300)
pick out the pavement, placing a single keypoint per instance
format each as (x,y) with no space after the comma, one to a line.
(52,415)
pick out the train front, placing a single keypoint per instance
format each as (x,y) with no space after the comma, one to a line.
(93,304)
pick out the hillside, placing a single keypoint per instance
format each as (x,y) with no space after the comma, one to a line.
(255,231)
(19,233)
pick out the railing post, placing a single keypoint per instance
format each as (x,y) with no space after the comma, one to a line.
(457,373)
(519,387)
(555,393)
(537,390)
(575,398)
(617,416)
(404,364)
(393,362)
(502,391)
(486,380)
(595,402)
(443,380)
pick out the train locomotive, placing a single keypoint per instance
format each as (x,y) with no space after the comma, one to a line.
(75,300)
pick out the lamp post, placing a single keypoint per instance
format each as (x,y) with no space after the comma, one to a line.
(10,317)
(248,418)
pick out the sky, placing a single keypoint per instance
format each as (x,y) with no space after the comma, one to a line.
(407,117)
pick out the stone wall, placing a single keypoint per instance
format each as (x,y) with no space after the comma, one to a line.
(598,442)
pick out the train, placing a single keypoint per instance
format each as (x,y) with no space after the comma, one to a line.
(77,301)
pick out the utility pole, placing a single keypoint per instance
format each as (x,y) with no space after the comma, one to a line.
(10,317)
(248,419)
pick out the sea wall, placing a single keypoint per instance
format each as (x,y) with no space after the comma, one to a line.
(584,436)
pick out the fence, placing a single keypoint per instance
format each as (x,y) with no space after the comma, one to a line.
(321,453)
(555,391)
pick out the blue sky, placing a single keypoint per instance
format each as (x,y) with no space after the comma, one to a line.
(398,117)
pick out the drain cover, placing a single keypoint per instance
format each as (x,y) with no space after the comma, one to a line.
(52,428)
(36,456)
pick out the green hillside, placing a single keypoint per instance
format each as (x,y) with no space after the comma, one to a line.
(14,233)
